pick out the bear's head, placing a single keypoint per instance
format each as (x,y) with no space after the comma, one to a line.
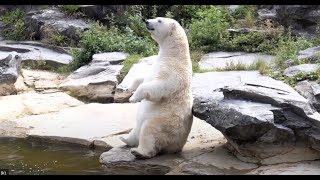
(160,28)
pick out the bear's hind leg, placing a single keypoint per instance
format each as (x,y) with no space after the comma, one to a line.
(150,142)
(146,149)
(132,139)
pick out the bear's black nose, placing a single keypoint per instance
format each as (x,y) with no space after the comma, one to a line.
(147,22)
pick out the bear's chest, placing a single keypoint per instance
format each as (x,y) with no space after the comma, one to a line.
(153,72)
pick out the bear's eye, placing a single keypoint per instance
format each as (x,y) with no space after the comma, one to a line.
(159,21)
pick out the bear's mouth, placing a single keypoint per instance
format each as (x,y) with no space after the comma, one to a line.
(150,28)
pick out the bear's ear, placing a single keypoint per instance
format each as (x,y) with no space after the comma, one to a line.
(173,27)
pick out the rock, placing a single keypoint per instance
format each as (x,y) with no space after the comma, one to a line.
(302,19)
(35,55)
(265,121)
(203,151)
(44,23)
(98,12)
(222,59)
(311,54)
(300,168)
(9,73)
(137,70)
(311,91)
(234,32)
(232,7)
(20,86)
(34,104)
(93,11)
(42,81)
(94,82)
(112,57)
(85,124)
(2,26)
(264,14)
(302,68)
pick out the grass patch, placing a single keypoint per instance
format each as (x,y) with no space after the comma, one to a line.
(127,64)
(39,65)
(70,9)
(195,58)
(292,81)
(259,65)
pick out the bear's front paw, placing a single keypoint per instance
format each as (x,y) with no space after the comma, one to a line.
(134,99)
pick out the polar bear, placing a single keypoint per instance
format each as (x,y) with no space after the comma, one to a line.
(164,116)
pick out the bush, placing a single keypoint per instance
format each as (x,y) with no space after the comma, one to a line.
(243,10)
(18,31)
(209,30)
(195,57)
(127,64)
(11,17)
(17,28)
(288,48)
(70,9)
(100,39)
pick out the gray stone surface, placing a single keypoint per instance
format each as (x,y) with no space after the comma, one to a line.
(137,71)
(47,21)
(84,124)
(312,53)
(264,120)
(9,73)
(111,57)
(222,59)
(311,91)
(94,82)
(36,54)
(302,68)
(16,106)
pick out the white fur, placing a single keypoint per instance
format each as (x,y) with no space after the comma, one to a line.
(164,117)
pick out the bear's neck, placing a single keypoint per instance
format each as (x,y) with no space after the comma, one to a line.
(173,47)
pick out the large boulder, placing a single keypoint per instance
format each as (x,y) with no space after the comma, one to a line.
(42,81)
(37,54)
(310,54)
(311,91)
(302,68)
(202,154)
(93,125)
(137,70)
(112,58)
(265,121)
(9,73)
(95,82)
(44,23)
(215,60)
(31,103)
(302,18)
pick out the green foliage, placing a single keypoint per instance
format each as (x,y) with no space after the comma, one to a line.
(127,64)
(243,10)
(70,9)
(209,30)
(313,76)
(195,58)
(100,39)
(13,19)
(288,47)
(249,20)
(136,21)
(18,31)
